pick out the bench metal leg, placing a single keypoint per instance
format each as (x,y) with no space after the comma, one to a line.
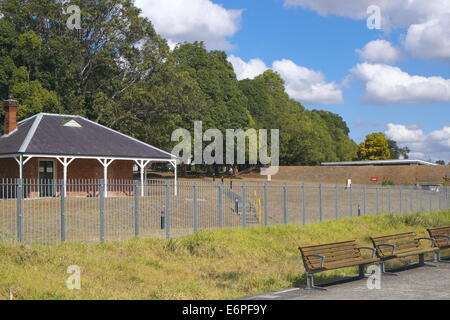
(438,258)
(383,270)
(310,283)
(422,262)
(362,272)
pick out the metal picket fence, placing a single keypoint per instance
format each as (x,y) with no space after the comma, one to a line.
(52,212)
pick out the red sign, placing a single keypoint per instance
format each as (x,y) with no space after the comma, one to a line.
(374,179)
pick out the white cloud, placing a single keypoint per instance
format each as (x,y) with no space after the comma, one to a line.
(387,84)
(302,84)
(435,145)
(401,133)
(427,21)
(441,136)
(306,85)
(395,13)
(247,70)
(430,39)
(379,51)
(192,20)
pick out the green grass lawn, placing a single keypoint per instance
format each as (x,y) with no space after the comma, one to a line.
(221,264)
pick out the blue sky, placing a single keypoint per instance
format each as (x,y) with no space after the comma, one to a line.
(398,83)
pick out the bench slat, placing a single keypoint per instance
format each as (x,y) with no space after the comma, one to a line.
(382,239)
(332,258)
(340,253)
(330,250)
(441,231)
(405,244)
(328,245)
(344,264)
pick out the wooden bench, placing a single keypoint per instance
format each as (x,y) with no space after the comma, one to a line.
(442,237)
(332,256)
(402,245)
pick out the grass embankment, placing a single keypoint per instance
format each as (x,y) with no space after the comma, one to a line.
(222,264)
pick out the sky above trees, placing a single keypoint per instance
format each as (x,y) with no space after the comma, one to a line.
(395,80)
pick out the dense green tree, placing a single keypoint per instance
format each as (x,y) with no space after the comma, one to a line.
(117,71)
(397,152)
(345,148)
(226,104)
(114,50)
(32,96)
(307,137)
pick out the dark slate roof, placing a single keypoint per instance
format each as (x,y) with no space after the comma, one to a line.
(46,134)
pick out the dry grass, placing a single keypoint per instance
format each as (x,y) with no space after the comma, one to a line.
(222,264)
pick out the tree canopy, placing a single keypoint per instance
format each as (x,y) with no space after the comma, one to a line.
(375,147)
(397,152)
(118,71)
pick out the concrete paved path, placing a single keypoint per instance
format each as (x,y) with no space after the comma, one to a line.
(413,283)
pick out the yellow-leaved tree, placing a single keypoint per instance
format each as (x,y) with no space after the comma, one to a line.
(375,147)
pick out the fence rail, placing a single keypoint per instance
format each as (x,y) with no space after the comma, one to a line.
(51,212)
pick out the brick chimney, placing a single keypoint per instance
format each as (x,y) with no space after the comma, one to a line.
(10,106)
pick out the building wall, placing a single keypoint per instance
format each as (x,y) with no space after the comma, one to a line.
(80,170)
(400,175)
(9,168)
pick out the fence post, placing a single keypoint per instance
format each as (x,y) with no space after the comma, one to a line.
(137,208)
(303,205)
(62,194)
(351,200)
(167,210)
(336,201)
(431,201)
(244,206)
(447,202)
(378,201)
(285,204)
(439,199)
(102,210)
(19,183)
(220,205)
(421,200)
(194,206)
(266,215)
(390,199)
(401,199)
(320,202)
(411,209)
(365,199)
